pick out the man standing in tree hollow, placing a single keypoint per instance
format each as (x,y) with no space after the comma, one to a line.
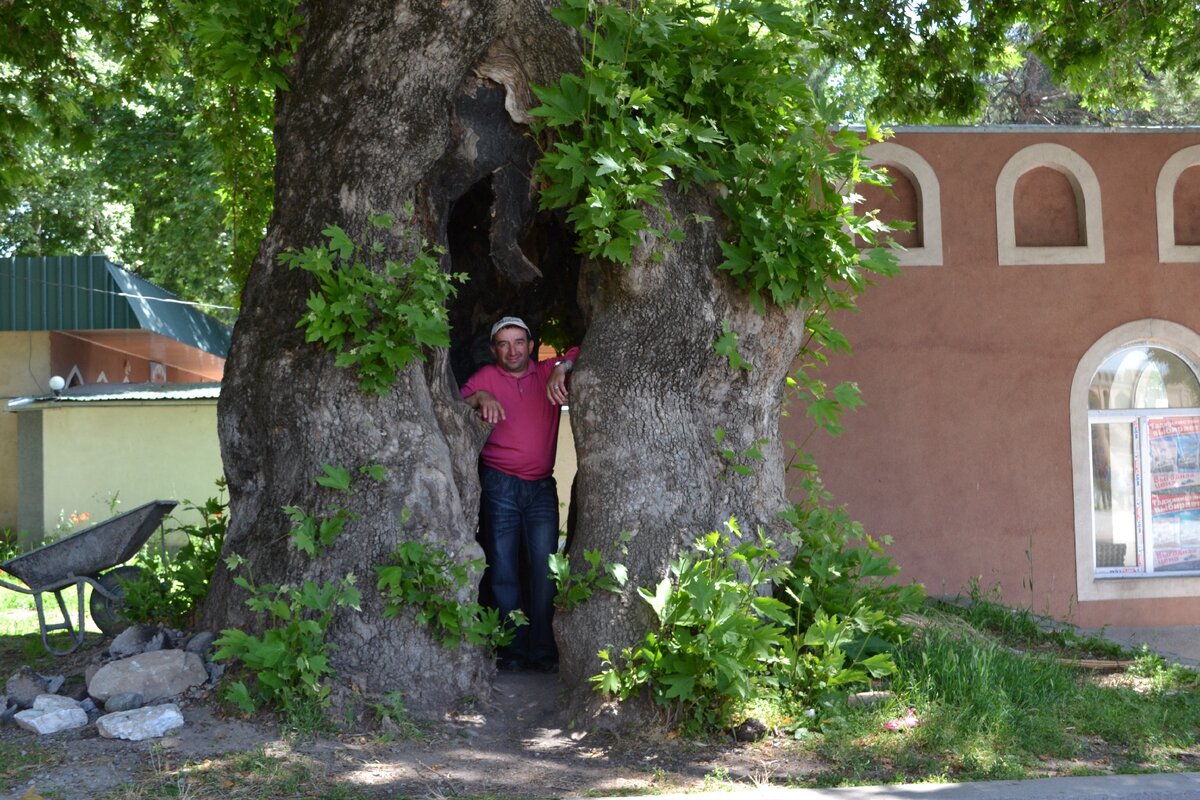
(518,510)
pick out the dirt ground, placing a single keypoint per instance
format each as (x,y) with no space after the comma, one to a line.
(520,744)
(517,745)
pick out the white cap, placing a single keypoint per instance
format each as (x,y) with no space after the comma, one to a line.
(510,322)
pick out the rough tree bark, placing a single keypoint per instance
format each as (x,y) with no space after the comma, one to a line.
(647,400)
(379,115)
(394,103)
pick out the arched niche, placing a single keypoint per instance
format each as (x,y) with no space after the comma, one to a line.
(1170,250)
(1086,189)
(928,224)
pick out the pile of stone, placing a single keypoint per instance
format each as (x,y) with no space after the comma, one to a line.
(132,690)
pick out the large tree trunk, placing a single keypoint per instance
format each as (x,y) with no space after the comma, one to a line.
(384,110)
(421,102)
(647,400)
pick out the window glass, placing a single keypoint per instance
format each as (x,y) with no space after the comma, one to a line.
(1114,500)
(1144,377)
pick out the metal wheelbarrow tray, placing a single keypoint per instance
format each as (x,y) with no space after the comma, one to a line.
(80,559)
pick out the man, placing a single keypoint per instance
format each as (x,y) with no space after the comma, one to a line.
(518,510)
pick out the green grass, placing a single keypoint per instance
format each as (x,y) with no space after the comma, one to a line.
(996,703)
(18,759)
(20,636)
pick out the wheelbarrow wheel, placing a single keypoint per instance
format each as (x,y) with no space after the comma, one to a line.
(108,613)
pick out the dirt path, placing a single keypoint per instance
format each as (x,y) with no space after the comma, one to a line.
(518,745)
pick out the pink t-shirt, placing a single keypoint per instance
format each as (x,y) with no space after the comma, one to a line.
(523,443)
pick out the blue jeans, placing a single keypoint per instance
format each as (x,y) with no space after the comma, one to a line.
(518,530)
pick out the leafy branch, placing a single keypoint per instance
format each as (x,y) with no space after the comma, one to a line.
(737,116)
(377,319)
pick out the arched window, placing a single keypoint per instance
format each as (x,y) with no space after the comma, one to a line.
(1141,498)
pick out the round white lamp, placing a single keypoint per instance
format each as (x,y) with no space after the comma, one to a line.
(57,384)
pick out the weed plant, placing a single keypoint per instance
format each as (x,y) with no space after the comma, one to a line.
(172,586)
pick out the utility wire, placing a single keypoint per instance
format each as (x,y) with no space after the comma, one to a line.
(177,301)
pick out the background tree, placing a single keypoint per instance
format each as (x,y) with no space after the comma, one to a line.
(935,61)
(122,133)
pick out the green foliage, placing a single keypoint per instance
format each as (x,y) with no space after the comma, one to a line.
(736,462)
(172,587)
(736,116)
(726,345)
(573,588)
(239,50)
(391,708)
(428,580)
(841,571)
(735,622)
(8,544)
(290,660)
(377,320)
(846,614)
(716,636)
(934,63)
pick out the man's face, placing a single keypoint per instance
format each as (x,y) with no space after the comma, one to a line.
(512,349)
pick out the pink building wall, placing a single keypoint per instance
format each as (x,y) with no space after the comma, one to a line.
(963,451)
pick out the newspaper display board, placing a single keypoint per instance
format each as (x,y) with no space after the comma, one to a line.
(1175,493)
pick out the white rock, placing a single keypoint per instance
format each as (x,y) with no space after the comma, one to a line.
(54,702)
(52,720)
(155,676)
(149,722)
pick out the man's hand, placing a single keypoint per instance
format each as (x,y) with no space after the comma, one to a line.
(487,405)
(556,385)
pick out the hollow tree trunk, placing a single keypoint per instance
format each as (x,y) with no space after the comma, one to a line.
(381,113)
(392,103)
(647,399)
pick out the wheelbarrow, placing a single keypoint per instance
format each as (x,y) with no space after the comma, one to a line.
(82,558)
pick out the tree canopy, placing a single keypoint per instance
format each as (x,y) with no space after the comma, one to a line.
(143,129)
(934,62)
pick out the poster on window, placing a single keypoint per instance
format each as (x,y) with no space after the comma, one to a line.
(1175,493)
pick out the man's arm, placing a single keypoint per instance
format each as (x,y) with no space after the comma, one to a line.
(487,405)
(556,384)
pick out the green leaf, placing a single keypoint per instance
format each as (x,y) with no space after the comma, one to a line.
(660,598)
(334,477)
(339,242)
(726,345)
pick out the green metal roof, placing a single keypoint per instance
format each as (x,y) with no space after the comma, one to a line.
(59,293)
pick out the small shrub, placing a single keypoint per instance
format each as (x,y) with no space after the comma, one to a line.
(845,616)
(173,586)
(736,622)
(290,660)
(575,587)
(717,635)
(429,580)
